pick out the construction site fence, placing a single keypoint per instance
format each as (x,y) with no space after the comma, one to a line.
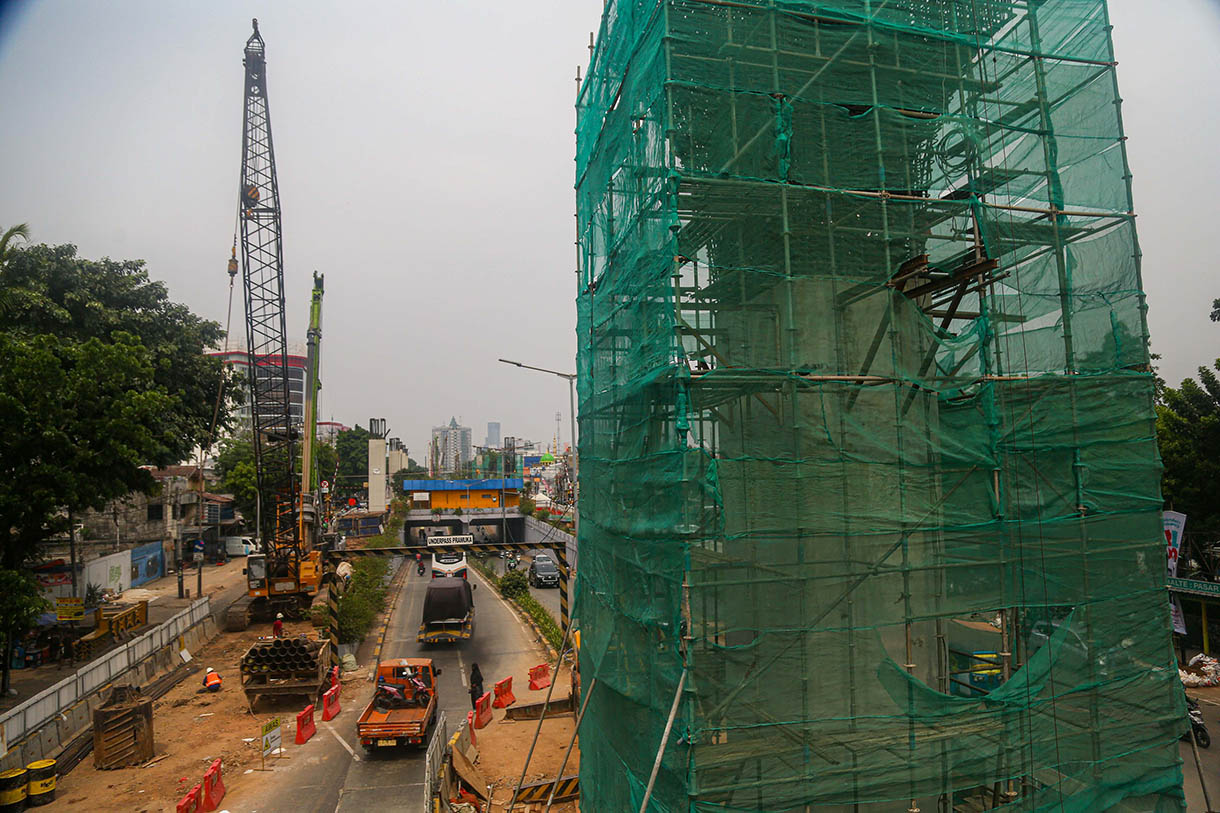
(51,702)
(434,757)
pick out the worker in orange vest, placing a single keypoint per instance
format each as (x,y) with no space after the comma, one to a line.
(211,680)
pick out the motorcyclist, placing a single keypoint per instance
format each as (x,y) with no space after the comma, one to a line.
(419,564)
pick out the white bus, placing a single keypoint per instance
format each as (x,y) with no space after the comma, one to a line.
(446,561)
(449,563)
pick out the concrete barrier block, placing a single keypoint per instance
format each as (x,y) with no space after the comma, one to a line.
(49,737)
(11,760)
(81,716)
(209,628)
(65,728)
(31,749)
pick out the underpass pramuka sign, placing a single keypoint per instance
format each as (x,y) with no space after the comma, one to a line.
(446,541)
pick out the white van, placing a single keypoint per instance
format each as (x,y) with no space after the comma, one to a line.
(239,545)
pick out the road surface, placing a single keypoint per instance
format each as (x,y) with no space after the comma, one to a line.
(548,597)
(333,773)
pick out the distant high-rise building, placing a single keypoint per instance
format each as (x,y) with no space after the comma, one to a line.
(296,364)
(493,435)
(450,447)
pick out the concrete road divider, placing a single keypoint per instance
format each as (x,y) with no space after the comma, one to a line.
(482,710)
(213,788)
(540,676)
(191,802)
(330,704)
(306,727)
(504,693)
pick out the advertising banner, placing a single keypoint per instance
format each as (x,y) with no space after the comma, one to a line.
(1175,525)
(69,608)
(147,563)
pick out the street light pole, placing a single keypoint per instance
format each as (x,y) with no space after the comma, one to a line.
(571,379)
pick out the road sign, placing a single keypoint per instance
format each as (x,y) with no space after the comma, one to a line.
(444,541)
(272,740)
(325,484)
(198,545)
(198,556)
(69,608)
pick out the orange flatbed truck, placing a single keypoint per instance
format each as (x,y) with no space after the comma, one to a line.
(403,705)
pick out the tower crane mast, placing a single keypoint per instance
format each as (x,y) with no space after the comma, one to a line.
(285,572)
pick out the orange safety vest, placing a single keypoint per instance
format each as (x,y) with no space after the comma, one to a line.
(211,680)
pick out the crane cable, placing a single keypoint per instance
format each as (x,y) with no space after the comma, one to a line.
(228,322)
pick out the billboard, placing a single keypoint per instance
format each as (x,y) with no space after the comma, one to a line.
(147,563)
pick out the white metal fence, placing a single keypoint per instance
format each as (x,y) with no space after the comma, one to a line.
(33,713)
(433,758)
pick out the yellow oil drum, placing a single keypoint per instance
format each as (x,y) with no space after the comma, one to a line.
(41,777)
(12,790)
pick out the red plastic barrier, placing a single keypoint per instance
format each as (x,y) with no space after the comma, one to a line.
(190,802)
(334,680)
(470,726)
(482,710)
(306,727)
(540,676)
(330,704)
(504,693)
(213,788)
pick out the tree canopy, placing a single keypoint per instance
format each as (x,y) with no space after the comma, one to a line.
(353,448)
(1188,432)
(235,468)
(100,374)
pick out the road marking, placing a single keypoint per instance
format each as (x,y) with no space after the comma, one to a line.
(462,670)
(342,742)
(529,634)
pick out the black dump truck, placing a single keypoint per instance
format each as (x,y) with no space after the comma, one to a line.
(448,611)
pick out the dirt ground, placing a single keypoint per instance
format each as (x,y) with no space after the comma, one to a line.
(504,744)
(190,730)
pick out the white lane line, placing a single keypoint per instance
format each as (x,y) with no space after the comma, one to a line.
(342,742)
(462,670)
(529,634)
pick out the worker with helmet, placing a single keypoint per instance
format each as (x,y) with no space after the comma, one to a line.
(211,680)
(277,629)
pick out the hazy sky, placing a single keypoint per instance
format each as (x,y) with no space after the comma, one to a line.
(425,159)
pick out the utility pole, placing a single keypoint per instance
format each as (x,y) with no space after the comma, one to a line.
(72,549)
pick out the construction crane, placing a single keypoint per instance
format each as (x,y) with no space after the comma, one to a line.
(287,571)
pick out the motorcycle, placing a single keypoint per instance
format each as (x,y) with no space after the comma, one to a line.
(1202,738)
(419,568)
(512,564)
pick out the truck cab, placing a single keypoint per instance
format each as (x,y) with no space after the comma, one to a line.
(403,706)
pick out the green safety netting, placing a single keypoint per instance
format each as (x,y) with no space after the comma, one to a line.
(867,449)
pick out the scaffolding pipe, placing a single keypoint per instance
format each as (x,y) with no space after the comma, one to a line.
(669,724)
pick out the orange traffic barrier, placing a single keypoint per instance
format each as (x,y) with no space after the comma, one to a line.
(190,802)
(330,704)
(470,726)
(306,727)
(213,788)
(504,693)
(334,680)
(540,676)
(482,710)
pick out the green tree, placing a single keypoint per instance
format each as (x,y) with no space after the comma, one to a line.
(1188,433)
(100,374)
(20,606)
(353,450)
(235,468)
(8,248)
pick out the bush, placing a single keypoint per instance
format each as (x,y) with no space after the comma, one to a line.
(514,583)
(364,599)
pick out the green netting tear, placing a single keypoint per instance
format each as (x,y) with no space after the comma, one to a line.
(866,433)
